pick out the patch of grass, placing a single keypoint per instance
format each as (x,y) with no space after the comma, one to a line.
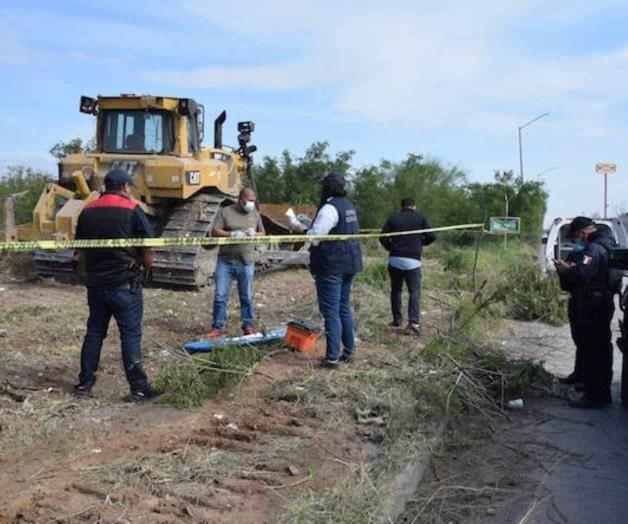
(199,377)
(354,501)
(375,275)
(458,259)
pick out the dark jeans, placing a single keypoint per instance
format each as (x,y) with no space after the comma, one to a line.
(412,278)
(334,303)
(592,317)
(226,271)
(126,305)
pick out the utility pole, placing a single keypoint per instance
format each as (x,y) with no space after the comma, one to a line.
(606,169)
(521,142)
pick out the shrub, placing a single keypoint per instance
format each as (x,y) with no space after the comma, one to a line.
(533,295)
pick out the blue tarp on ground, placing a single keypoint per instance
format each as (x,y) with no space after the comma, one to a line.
(248,340)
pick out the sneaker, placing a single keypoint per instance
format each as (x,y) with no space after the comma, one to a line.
(395,325)
(346,358)
(414,329)
(142,395)
(248,330)
(83,390)
(331,364)
(215,333)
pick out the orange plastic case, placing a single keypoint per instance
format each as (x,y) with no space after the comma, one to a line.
(301,336)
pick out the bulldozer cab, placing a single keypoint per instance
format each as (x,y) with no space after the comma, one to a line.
(132,125)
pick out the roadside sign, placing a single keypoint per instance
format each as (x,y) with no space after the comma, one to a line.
(606,168)
(504,225)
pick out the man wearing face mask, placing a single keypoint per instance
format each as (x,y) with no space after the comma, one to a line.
(586,275)
(236,261)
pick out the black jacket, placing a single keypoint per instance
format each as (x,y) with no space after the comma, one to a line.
(409,246)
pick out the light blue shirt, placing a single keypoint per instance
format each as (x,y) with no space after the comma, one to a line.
(404,263)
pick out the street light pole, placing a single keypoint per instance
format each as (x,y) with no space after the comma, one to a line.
(521,143)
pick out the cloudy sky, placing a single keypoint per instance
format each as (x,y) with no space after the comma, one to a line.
(452,79)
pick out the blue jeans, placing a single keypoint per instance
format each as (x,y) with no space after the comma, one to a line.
(226,272)
(126,305)
(334,299)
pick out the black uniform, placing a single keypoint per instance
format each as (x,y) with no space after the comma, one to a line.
(572,308)
(590,313)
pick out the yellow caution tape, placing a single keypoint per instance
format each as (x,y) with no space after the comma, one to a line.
(207,241)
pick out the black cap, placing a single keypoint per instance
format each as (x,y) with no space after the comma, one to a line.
(117,177)
(578,224)
(334,178)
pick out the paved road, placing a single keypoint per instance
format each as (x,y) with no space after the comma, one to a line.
(586,480)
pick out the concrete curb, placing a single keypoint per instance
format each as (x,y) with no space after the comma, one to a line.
(403,484)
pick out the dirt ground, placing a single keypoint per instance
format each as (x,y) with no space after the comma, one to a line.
(241,457)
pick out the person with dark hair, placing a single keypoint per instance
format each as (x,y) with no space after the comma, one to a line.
(586,275)
(334,265)
(236,261)
(114,282)
(404,262)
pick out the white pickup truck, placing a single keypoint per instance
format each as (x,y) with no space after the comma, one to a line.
(556,246)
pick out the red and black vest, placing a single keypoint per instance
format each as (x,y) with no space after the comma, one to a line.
(110,216)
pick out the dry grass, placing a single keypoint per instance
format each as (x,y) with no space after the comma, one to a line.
(61,425)
(190,464)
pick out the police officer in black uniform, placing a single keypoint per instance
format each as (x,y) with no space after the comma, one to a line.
(586,276)
(114,282)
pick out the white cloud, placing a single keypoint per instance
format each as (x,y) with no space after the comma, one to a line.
(430,63)
(279,76)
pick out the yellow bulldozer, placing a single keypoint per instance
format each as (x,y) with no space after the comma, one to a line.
(180,185)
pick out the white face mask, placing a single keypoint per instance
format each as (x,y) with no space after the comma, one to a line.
(249,206)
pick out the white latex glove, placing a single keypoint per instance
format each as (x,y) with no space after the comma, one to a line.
(293,222)
(251,232)
(238,234)
(296,226)
(290,214)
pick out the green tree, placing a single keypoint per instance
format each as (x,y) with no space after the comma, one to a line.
(19,179)
(441,192)
(62,149)
(371,194)
(269,180)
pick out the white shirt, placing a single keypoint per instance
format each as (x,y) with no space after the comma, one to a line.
(326,219)
(404,263)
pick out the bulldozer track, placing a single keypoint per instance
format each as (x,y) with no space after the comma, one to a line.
(189,266)
(56,264)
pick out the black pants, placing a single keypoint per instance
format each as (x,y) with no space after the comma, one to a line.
(412,278)
(591,327)
(578,369)
(126,305)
